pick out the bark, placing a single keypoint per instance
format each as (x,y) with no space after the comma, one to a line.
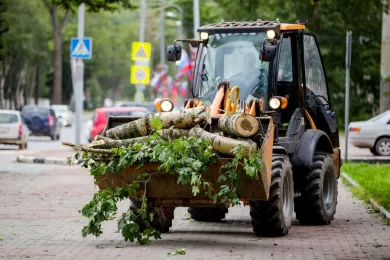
(37,84)
(57,54)
(223,144)
(183,119)
(241,125)
(87,149)
(105,142)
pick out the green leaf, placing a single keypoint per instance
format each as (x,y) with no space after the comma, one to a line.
(195,190)
(156,123)
(177,252)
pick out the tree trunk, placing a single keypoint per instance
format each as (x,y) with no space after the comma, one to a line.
(104,142)
(183,119)
(240,125)
(57,57)
(223,144)
(37,84)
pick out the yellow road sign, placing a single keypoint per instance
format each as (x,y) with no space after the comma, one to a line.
(139,75)
(141,51)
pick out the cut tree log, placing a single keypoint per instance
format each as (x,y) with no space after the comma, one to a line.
(224,144)
(239,124)
(107,143)
(183,119)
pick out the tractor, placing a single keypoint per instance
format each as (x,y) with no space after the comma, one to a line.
(278,76)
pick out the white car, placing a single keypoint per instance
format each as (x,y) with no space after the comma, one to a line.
(373,134)
(64,115)
(13,130)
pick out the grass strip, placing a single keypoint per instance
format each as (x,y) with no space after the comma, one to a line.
(373,178)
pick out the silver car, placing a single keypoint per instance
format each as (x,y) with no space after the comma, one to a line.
(13,130)
(373,134)
(64,115)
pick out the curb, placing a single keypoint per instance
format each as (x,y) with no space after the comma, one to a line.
(43,160)
(373,203)
(369,160)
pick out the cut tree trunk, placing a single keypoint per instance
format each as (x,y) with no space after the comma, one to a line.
(240,125)
(107,143)
(183,119)
(223,144)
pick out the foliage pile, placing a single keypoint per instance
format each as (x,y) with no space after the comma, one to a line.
(188,157)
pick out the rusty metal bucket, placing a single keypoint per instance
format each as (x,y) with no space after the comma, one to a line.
(164,191)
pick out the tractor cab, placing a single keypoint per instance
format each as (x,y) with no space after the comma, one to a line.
(270,61)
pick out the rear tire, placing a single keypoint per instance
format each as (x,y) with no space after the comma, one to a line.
(273,217)
(208,214)
(162,219)
(318,200)
(382,146)
(22,146)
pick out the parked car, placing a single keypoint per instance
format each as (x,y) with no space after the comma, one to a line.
(64,114)
(101,115)
(42,121)
(373,134)
(148,105)
(13,130)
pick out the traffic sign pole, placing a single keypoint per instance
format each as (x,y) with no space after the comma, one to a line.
(347,85)
(140,87)
(79,86)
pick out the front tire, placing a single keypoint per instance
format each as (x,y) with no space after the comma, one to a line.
(273,217)
(318,200)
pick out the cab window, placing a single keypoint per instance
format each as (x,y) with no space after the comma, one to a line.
(285,61)
(314,72)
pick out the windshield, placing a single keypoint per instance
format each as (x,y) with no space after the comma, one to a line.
(235,58)
(380,116)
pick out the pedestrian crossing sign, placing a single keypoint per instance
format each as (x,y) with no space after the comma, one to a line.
(139,75)
(81,48)
(141,51)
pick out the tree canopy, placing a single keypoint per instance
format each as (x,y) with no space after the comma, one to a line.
(30,42)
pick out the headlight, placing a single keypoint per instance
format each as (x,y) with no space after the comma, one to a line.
(278,103)
(271,34)
(204,35)
(166,106)
(274,103)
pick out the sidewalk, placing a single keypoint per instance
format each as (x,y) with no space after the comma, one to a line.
(39,219)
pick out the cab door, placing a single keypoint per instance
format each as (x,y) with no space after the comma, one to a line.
(317,102)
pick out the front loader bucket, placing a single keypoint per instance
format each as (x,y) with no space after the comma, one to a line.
(164,190)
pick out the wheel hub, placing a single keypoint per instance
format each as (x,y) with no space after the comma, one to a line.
(384,148)
(287,203)
(327,190)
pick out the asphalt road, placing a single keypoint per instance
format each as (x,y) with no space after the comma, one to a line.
(40,146)
(38,143)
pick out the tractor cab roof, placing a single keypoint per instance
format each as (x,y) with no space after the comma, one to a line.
(249,27)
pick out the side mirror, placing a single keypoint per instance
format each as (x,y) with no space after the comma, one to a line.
(173,52)
(268,52)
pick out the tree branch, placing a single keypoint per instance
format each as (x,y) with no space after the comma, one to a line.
(64,20)
(86,149)
(46,3)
